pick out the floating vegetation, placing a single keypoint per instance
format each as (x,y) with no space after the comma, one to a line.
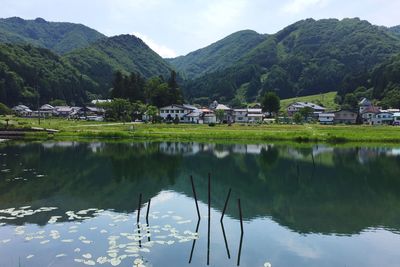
(121,246)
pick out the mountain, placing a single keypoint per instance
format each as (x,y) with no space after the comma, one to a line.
(216,56)
(60,37)
(25,69)
(395,29)
(305,58)
(125,53)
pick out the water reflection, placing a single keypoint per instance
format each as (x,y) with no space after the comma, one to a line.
(317,189)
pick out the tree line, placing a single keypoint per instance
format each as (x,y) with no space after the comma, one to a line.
(134,96)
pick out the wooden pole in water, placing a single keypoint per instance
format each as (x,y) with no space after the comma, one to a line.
(147,213)
(194,242)
(195,197)
(147,219)
(209,219)
(241,235)
(225,239)
(139,206)
(226,204)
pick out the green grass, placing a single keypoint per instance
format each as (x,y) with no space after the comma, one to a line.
(238,133)
(327,100)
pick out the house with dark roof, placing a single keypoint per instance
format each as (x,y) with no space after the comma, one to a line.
(297,106)
(368,113)
(345,117)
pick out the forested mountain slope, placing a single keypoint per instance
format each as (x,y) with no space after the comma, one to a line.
(305,58)
(26,71)
(125,53)
(219,55)
(60,37)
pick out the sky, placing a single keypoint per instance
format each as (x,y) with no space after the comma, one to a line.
(177,27)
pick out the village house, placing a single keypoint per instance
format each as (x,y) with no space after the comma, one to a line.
(364,104)
(169,113)
(254,115)
(195,116)
(326,118)
(247,115)
(22,110)
(62,111)
(382,118)
(368,113)
(44,111)
(297,106)
(345,116)
(228,113)
(208,116)
(240,115)
(100,101)
(396,118)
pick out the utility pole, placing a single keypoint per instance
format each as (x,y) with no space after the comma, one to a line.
(38,95)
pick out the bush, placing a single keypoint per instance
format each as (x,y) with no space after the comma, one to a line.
(4,110)
(211,124)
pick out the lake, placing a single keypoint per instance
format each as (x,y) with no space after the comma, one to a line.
(76,204)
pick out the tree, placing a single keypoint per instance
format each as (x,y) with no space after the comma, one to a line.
(350,102)
(118,85)
(271,102)
(152,112)
(305,112)
(58,102)
(297,118)
(118,110)
(4,110)
(220,114)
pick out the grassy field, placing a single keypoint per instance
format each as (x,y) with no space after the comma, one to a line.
(327,100)
(302,133)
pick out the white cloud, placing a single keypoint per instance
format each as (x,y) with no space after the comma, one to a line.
(298,6)
(224,13)
(162,50)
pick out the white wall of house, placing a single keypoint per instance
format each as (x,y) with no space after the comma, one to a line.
(174,111)
(382,118)
(240,115)
(326,118)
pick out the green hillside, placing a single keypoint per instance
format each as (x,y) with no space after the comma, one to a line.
(24,68)
(59,37)
(395,29)
(216,56)
(305,58)
(125,53)
(326,100)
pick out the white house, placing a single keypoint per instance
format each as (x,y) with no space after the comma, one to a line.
(254,115)
(297,106)
(169,113)
(100,101)
(240,115)
(22,110)
(382,118)
(396,118)
(196,116)
(46,110)
(208,116)
(63,111)
(326,118)
(228,117)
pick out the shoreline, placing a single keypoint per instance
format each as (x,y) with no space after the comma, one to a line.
(58,129)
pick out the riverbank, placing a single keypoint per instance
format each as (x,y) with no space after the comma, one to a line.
(299,133)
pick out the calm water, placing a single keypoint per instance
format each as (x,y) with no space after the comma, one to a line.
(75,204)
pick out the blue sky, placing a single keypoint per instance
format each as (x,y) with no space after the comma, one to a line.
(177,27)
